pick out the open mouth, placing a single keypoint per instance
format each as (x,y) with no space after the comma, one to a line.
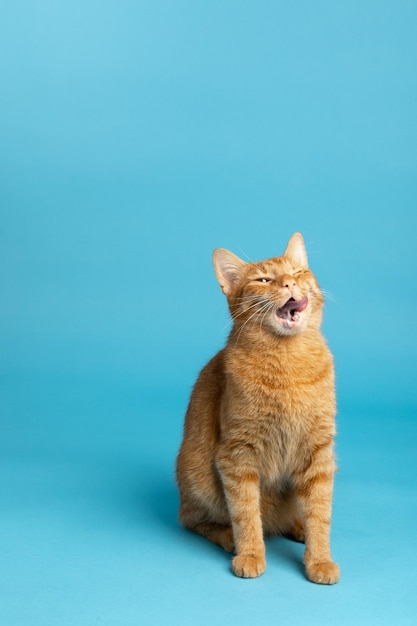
(291,310)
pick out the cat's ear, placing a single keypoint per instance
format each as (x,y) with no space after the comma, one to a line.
(296,251)
(228,269)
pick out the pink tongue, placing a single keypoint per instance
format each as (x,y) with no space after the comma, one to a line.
(295,305)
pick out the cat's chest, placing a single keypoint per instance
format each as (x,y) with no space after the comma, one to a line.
(280,418)
(291,387)
(277,432)
(281,431)
(283,404)
(277,444)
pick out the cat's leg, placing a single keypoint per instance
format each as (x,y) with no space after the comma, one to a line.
(242,490)
(314,490)
(194,517)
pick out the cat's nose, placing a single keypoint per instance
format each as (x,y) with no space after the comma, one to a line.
(289,282)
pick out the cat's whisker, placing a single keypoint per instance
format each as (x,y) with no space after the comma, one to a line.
(243,253)
(264,308)
(268,310)
(244,325)
(259,307)
(227,325)
(328,295)
(247,300)
(254,301)
(252,306)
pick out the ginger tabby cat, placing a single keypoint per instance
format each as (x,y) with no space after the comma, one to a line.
(257,455)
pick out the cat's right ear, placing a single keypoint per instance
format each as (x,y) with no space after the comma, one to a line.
(228,269)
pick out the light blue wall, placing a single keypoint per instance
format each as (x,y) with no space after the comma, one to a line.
(135,137)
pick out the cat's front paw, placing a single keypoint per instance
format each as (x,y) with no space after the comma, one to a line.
(248,566)
(326,573)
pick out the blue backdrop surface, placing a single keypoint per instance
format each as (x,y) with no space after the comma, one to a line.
(135,137)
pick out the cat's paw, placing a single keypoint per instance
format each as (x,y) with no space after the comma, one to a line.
(326,573)
(248,566)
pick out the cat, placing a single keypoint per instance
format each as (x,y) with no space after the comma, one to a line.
(257,456)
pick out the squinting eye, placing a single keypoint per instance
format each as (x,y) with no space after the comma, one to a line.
(263,280)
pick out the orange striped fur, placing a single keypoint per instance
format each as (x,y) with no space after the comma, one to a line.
(257,455)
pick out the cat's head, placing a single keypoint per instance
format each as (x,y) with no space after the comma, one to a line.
(280,294)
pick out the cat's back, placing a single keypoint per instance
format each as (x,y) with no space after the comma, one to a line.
(201,426)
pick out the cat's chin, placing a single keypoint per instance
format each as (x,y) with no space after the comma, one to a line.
(290,326)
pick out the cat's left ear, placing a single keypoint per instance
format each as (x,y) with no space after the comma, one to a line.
(296,251)
(228,269)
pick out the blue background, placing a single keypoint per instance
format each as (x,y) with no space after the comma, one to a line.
(135,137)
